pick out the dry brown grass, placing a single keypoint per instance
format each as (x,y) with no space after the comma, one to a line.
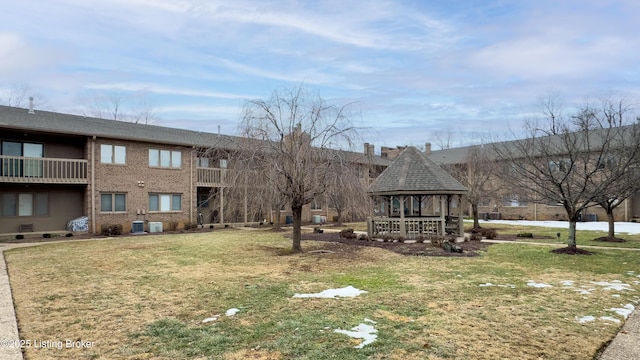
(111,291)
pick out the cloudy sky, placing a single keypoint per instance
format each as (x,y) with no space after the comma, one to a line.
(416,69)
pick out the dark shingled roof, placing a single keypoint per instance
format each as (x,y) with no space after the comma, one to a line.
(414,173)
(52,122)
(58,123)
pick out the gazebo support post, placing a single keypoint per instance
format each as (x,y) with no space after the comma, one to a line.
(442,216)
(403,231)
(460,219)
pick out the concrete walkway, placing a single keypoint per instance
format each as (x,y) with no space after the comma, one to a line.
(8,324)
(624,346)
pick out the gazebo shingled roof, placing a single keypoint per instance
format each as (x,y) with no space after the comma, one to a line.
(413,173)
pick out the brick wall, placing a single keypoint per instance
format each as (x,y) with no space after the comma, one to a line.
(137,180)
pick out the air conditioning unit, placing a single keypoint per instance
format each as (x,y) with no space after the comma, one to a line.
(155,227)
(137,226)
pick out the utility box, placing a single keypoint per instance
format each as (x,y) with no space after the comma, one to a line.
(155,227)
(316,219)
(137,226)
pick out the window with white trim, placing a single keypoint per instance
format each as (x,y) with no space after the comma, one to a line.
(165,202)
(113,202)
(113,154)
(165,158)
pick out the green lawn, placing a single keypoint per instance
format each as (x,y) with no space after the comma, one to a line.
(146,298)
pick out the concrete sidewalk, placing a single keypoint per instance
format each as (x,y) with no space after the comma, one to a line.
(624,346)
(8,324)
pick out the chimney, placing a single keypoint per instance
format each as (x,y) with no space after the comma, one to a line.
(369,149)
(31,111)
(427,148)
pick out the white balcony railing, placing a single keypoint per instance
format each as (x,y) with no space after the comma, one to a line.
(211,176)
(19,169)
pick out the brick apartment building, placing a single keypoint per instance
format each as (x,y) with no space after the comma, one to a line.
(57,167)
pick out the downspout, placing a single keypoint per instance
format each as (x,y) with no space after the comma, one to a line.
(191,185)
(93,185)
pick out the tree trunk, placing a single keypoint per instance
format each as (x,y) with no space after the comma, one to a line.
(339,216)
(297,223)
(276,223)
(474,211)
(571,241)
(611,225)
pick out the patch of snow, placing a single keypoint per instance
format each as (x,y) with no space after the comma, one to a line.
(613,285)
(609,318)
(621,227)
(538,285)
(348,291)
(584,291)
(369,320)
(567,283)
(232,312)
(631,273)
(624,311)
(500,285)
(585,319)
(616,295)
(362,331)
(210,319)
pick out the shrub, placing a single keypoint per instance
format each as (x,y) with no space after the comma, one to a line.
(111,230)
(68,234)
(420,239)
(173,225)
(190,225)
(347,234)
(400,239)
(363,237)
(46,236)
(317,230)
(525,235)
(491,234)
(476,236)
(19,237)
(436,240)
(210,226)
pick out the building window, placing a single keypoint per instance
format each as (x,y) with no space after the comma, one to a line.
(202,162)
(113,154)
(112,202)
(25,204)
(165,202)
(223,163)
(515,201)
(19,166)
(165,158)
(203,201)
(316,204)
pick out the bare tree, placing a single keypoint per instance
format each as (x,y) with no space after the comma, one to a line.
(18,96)
(347,192)
(559,161)
(298,133)
(117,105)
(478,173)
(620,167)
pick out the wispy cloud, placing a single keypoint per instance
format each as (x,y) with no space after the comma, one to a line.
(413,67)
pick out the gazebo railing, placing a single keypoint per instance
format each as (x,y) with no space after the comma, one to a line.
(414,227)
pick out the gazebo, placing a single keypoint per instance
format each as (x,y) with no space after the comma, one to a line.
(415,197)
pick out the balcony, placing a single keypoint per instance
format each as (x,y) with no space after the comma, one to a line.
(211,177)
(19,169)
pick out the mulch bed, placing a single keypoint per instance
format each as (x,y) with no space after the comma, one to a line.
(470,248)
(609,239)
